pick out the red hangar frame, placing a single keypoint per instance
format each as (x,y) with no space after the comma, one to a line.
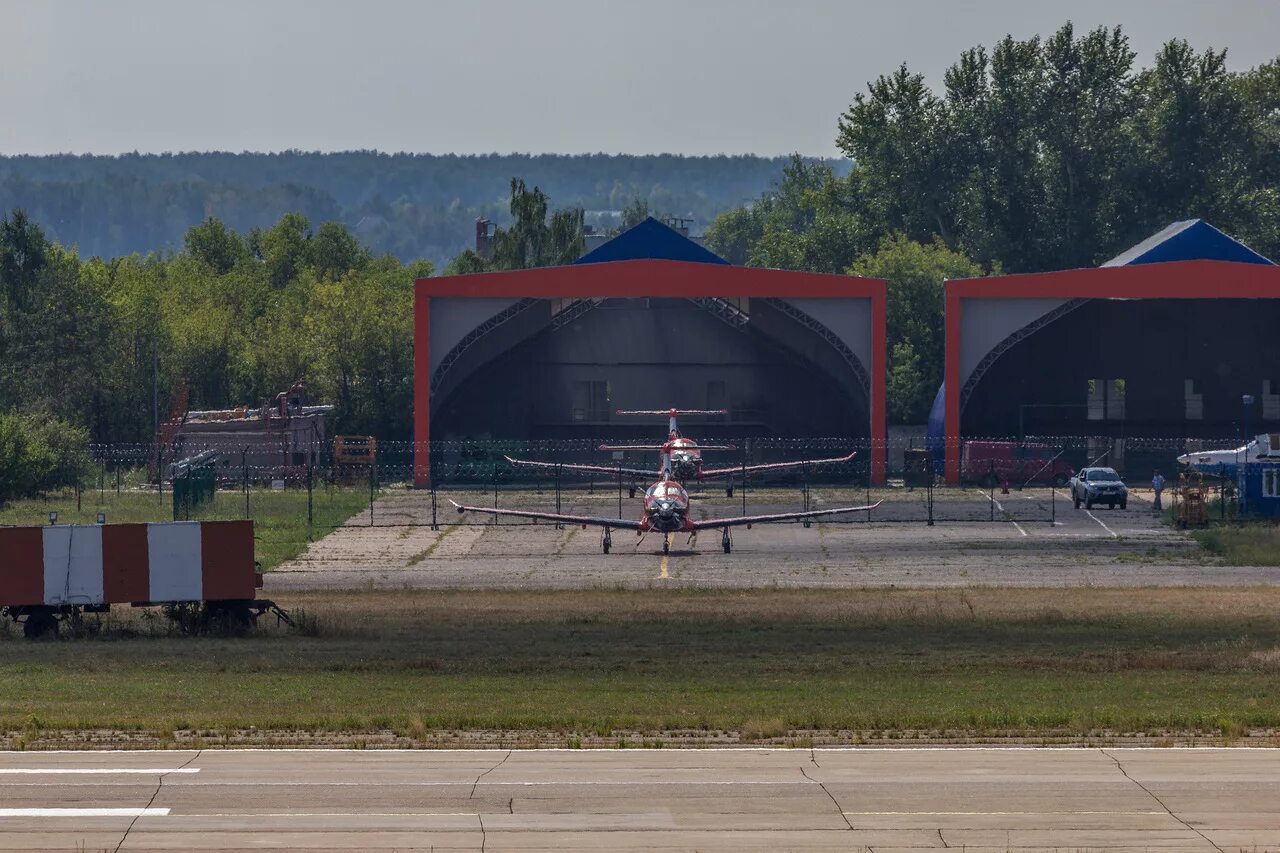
(982,314)
(478,297)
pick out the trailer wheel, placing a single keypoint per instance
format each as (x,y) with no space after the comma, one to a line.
(40,623)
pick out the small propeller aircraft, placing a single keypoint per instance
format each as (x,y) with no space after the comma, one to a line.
(685,454)
(666,511)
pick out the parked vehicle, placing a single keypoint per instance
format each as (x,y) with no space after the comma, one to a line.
(992,462)
(1099,486)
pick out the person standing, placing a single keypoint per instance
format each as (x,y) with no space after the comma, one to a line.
(1157,486)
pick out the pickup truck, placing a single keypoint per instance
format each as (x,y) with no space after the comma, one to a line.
(1098,486)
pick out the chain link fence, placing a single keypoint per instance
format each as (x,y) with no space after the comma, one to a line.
(296,498)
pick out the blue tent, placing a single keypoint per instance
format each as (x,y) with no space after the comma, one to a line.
(651,240)
(1189,240)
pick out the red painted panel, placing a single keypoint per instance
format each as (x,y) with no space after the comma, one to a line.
(951,378)
(22,568)
(226,556)
(126,574)
(421,389)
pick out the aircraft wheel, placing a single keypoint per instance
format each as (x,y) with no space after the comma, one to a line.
(605,546)
(728,491)
(631,492)
(666,545)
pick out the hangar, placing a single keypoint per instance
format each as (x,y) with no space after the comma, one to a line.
(648,320)
(1161,342)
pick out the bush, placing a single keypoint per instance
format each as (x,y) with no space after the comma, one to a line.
(39,453)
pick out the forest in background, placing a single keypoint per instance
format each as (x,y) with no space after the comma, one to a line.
(414,206)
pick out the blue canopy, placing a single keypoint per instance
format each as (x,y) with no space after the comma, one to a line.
(651,240)
(1189,240)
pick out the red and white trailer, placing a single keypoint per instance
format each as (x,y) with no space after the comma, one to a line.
(60,571)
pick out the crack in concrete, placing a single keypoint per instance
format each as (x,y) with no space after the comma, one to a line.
(476,784)
(834,801)
(484,837)
(943,840)
(1159,801)
(156,793)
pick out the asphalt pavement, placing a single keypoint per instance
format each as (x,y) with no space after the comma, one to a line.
(742,799)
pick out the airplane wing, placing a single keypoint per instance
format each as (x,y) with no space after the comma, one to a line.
(775,466)
(594,521)
(737,521)
(593,469)
(664,447)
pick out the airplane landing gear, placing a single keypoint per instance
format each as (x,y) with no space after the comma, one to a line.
(728,491)
(666,543)
(606,540)
(725,542)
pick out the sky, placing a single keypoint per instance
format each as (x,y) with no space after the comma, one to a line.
(632,76)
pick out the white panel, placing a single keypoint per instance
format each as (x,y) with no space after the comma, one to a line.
(985,323)
(453,318)
(73,564)
(173,551)
(848,319)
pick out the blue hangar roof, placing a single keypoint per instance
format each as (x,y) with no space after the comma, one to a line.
(651,241)
(1189,240)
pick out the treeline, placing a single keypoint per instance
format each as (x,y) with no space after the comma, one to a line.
(1037,155)
(233,317)
(414,206)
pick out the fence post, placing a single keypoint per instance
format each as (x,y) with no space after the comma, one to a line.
(744,476)
(244,479)
(371,494)
(619,490)
(310,510)
(117,478)
(559,526)
(1053,504)
(992,497)
(928,494)
(434,524)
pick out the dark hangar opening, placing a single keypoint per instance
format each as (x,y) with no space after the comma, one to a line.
(774,375)
(1158,368)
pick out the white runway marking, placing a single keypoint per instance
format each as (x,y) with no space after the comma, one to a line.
(1000,507)
(99,771)
(147,812)
(1104,526)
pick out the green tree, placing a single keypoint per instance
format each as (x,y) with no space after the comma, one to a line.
(533,240)
(215,245)
(915,273)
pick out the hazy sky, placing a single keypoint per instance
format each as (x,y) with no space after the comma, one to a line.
(691,76)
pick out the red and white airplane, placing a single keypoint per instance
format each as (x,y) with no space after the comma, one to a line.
(685,454)
(666,511)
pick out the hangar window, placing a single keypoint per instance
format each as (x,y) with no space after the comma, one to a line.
(1270,401)
(591,401)
(1194,400)
(1271,483)
(1106,399)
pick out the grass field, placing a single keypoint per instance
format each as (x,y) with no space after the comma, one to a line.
(1254,544)
(281,530)
(762,664)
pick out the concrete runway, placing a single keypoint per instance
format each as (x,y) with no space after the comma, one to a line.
(880,799)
